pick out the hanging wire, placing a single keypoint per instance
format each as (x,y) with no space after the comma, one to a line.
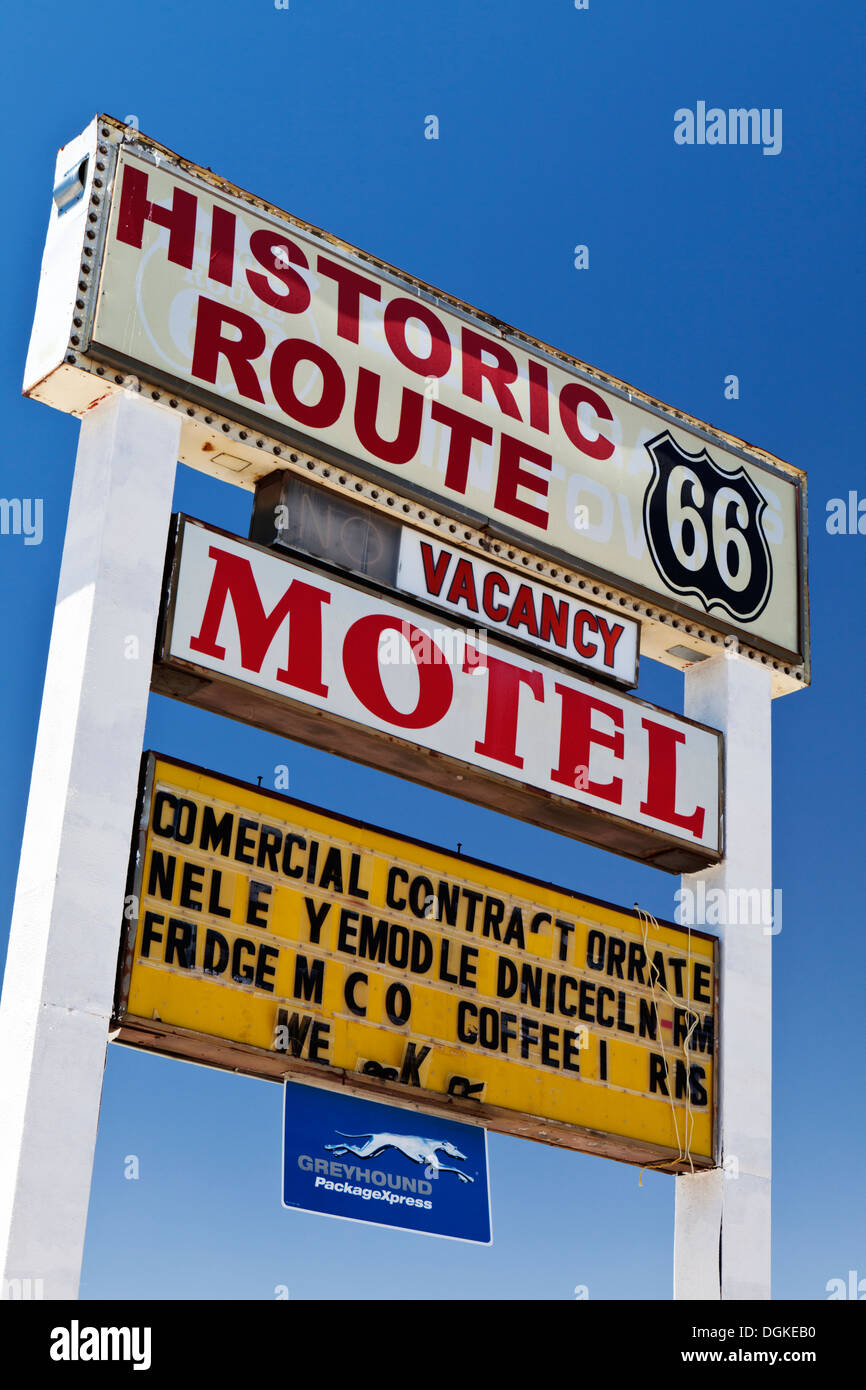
(683,1150)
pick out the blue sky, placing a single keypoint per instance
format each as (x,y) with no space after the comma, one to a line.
(556,128)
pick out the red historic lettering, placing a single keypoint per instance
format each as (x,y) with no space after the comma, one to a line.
(327,408)
(397,314)
(136,209)
(503,704)
(496,612)
(573,394)
(234,580)
(610,635)
(350,287)
(222,245)
(499,374)
(539,405)
(584,619)
(511,476)
(434,572)
(463,586)
(523,611)
(405,444)
(661,796)
(266,246)
(577,736)
(364,674)
(238,352)
(553,625)
(463,430)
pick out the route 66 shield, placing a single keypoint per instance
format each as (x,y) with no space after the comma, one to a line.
(704,529)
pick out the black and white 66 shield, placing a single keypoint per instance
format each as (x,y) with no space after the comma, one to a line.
(704,528)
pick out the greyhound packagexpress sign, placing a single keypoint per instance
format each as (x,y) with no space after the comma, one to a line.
(274,938)
(254,634)
(361,1160)
(186,283)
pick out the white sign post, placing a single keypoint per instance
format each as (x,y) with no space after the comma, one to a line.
(141,242)
(59,982)
(722,1223)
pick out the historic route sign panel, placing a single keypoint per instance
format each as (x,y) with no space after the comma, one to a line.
(259,327)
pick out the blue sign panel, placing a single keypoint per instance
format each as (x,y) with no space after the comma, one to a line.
(365,1161)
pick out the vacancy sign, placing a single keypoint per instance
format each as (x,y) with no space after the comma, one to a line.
(296,516)
(278,939)
(220,305)
(479,591)
(250,633)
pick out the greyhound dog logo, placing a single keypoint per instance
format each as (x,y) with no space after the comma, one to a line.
(424,1151)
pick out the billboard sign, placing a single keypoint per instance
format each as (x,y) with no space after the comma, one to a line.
(260,328)
(362,1160)
(277,939)
(250,633)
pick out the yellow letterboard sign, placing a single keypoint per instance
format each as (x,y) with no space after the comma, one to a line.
(273,938)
